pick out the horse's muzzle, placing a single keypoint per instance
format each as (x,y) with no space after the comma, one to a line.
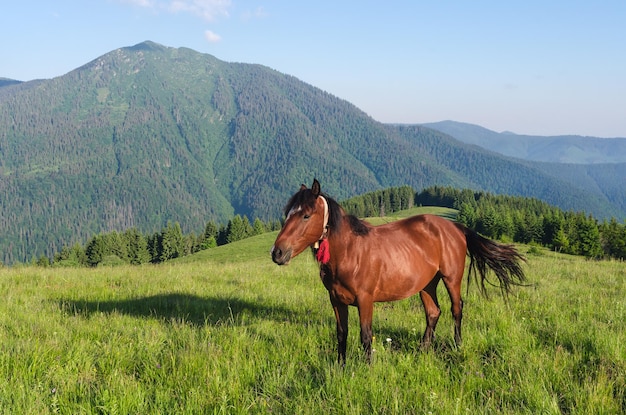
(280,256)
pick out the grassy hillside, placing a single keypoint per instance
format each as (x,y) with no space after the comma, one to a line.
(227,331)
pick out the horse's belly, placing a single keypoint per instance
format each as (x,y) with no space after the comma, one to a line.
(400,285)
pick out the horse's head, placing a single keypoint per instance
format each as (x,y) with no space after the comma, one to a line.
(306,218)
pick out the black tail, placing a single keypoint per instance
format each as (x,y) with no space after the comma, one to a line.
(503,260)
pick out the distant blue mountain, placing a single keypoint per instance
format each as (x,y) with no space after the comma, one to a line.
(555,149)
(7,82)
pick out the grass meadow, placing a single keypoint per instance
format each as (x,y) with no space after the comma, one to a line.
(228,332)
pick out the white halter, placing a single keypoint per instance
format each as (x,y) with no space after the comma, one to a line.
(324,229)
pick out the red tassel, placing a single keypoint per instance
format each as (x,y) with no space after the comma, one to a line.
(323,253)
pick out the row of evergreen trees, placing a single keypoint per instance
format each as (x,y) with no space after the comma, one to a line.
(380,202)
(507,218)
(528,220)
(133,247)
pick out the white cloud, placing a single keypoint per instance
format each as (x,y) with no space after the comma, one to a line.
(140,3)
(212,37)
(206,9)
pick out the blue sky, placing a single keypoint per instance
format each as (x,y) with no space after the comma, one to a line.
(531,67)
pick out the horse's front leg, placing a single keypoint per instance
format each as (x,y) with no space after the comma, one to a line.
(341,315)
(366,311)
(432,310)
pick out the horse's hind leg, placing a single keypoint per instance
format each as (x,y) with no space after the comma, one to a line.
(432,310)
(453,285)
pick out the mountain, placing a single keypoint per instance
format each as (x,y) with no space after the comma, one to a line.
(596,164)
(148,134)
(7,81)
(555,149)
(607,179)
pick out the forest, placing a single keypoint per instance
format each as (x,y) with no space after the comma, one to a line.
(505,218)
(532,221)
(150,135)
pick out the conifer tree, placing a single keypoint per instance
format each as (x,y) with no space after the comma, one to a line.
(258,227)
(137,247)
(172,242)
(237,229)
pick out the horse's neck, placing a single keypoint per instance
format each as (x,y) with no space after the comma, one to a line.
(341,230)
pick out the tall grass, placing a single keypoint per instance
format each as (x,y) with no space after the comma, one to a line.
(227,331)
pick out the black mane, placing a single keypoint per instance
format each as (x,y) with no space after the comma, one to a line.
(358,226)
(336,213)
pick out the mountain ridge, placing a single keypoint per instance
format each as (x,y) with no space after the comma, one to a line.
(148,134)
(7,81)
(575,149)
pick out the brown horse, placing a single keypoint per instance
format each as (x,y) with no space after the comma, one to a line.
(361,264)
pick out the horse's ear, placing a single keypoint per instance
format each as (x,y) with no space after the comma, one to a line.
(315,188)
(303,186)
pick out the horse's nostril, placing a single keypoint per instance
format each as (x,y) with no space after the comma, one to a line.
(279,256)
(276,253)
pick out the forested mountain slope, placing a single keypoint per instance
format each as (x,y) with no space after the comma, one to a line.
(607,179)
(149,134)
(504,175)
(595,164)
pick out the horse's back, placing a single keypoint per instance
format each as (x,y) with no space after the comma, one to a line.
(429,227)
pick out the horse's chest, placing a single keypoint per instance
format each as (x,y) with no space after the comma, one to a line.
(336,287)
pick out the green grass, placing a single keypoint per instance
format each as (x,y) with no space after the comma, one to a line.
(227,331)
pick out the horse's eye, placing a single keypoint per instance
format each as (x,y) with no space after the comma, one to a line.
(306,217)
